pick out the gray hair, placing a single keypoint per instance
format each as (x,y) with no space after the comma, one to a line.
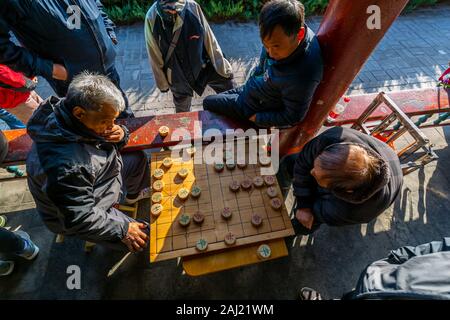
(91,91)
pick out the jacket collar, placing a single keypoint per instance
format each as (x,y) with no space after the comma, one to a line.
(301,49)
(179,7)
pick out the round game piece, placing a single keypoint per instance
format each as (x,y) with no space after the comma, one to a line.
(156,209)
(183,193)
(184,220)
(269,180)
(256,220)
(219,167)
(201,245)
(264,251)
(158,174)
(196,191)
(230,239)
(183,173)
(276,203)
(231,165)
(226,213)
(235,186)
(242,165)
(272,192)
(258,181)
(158,185)
(157,197)
(246,184)
(163,131)
(167,162)
(198,218)
(265,161)
(191,150)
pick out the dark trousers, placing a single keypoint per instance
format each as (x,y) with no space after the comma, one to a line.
(228,104)
(61,88)
(10,243)
(218,83)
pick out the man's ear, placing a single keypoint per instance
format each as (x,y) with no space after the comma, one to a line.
(301,34)
(78,112)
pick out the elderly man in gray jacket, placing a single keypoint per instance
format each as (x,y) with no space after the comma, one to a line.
(75,171)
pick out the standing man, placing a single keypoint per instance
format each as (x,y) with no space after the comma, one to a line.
(60,39)
(281,88)
(184,53)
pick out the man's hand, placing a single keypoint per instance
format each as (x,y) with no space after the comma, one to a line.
(252,118)
(115,135)
(59,72)
(114,40)
(135,240)
(305,217)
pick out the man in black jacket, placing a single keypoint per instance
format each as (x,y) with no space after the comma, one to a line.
(343,177)
(281,88)
(75,171)
(60,39)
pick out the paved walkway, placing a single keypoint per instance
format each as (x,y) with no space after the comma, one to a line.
(413,54)
(331,260)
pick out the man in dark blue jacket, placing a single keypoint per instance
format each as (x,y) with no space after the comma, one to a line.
(60,38)
(280,90)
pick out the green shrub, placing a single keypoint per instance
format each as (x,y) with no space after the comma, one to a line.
(129,11)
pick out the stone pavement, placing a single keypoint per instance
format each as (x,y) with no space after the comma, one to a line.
(330,261)
(413,54)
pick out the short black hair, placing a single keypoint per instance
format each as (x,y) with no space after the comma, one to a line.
(289,14)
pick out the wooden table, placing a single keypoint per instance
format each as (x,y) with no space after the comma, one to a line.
(232,258)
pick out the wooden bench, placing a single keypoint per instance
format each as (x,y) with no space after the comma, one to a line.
(412,102)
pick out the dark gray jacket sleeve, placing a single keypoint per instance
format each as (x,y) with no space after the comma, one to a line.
(304,183)
(20,59)
(296,101)
(71,190)
(403,254)
(110,26)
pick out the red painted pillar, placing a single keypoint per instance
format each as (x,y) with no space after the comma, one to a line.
(346,44)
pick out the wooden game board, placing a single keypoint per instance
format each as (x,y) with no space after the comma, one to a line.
(168,239)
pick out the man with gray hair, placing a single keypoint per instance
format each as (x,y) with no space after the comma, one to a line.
(75,171)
